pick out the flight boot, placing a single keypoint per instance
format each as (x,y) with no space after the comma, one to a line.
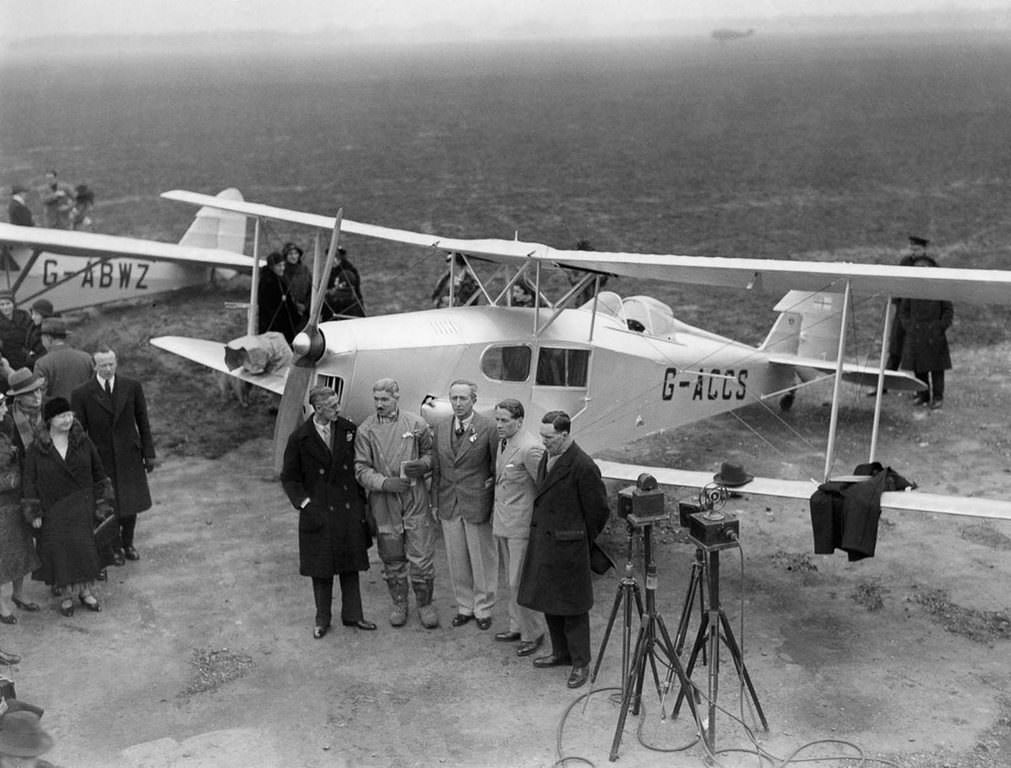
(398,591)
(424,591)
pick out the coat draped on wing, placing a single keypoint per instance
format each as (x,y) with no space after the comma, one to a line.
(570,510)
(64,492)
(120,430)
(925,344)
(462,477)
(333,533)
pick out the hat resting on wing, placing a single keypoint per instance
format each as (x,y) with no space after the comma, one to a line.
(732,475)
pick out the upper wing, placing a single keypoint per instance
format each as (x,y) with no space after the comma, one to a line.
(212,355)
(86,244)
(907,501)
(976,286)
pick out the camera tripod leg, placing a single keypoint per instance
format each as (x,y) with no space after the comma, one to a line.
(742,670)
(698,647)
(696,588)
(621,597)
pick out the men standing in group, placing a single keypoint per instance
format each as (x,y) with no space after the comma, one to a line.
(113,412)
(57,202)
(570,510)
(393,453)
(64,368)
(463,480)
(18,211)
(333,535)
(518,457)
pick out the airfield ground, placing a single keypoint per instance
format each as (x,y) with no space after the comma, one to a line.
(203,657)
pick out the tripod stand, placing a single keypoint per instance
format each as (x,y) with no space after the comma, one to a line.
(713,628)
(628,590)
(647,645)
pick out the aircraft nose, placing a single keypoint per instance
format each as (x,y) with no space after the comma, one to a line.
(301,344)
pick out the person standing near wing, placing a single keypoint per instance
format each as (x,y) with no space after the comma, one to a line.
(925,348)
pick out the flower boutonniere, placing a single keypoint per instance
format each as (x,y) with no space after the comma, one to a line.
(407,435)
(473,437)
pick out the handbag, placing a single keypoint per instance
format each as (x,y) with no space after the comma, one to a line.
(108,540)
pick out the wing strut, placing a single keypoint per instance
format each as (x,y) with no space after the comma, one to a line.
(837,386)
(254,284)
(889,315)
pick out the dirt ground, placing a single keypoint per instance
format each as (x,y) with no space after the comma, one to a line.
(203,654)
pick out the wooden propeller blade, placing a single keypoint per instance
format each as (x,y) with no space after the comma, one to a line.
(289,413)
(316,300)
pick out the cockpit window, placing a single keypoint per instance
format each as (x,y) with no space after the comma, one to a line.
(506,363)
(558,367)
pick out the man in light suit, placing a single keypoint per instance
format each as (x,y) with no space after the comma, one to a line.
(463,479)
(518,457)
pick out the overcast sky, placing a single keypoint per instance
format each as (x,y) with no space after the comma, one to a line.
(24,18)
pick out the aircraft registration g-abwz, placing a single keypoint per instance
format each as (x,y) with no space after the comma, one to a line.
(623,368)
(75,269)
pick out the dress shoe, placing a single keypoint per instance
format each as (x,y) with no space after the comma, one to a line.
(6,657)
(528,647)
(507,637)
(484,623)
(130,553)
(25,606)
(89,602)
(319,632)
(10,618)
(360,623)
(119,558)
(551,660)
(578,676)
(460,619)
(103,575)
(67,608)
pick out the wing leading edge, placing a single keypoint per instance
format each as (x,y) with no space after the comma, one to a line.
(212,355)
(891,501)
(975,286)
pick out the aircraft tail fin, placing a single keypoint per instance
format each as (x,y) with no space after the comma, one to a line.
(213,228)
(808,325)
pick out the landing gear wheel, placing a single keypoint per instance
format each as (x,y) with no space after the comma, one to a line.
(786,401)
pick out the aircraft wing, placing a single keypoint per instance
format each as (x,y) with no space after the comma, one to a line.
(891,501)
(863,375)
(974,286)
(86,244)
(212,355)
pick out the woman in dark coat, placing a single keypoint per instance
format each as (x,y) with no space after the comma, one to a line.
(333,532)
(925,346)
(64,489)
(277,310)
(15,325)
(17,549)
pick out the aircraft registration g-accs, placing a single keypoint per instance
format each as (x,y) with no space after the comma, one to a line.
(623,368)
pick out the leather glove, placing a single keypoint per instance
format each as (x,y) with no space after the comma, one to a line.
(416,468)
(103,510)
(150,464)
(395,485)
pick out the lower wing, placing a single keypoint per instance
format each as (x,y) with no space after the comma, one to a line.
(212,355)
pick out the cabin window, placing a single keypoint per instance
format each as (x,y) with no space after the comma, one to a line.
(562,367)
(506,363)
(336,383)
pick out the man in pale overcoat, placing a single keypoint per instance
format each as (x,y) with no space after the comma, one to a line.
(463,479)
(570,510)
(392,456)
(517,459)
(333,534)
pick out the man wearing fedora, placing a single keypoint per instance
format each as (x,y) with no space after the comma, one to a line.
(113,412)
(570,511)
(18,211)
(23,740)
(63,367)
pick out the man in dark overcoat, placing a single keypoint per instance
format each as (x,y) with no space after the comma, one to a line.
(570,510)
(318,476)
(113,411)
(925,346)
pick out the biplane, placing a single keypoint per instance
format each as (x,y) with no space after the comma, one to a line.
(622,367)
(75,269)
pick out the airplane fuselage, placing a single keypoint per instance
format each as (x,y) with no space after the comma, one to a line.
(71,282)
(618,384)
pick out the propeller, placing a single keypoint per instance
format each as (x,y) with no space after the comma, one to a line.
(309,346)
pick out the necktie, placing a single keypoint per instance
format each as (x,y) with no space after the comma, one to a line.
(108,388)
(502,444)
(459,429)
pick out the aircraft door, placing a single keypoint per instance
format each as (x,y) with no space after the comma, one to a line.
(561,380)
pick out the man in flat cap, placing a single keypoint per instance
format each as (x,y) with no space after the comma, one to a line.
(18,211)
(64,368)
